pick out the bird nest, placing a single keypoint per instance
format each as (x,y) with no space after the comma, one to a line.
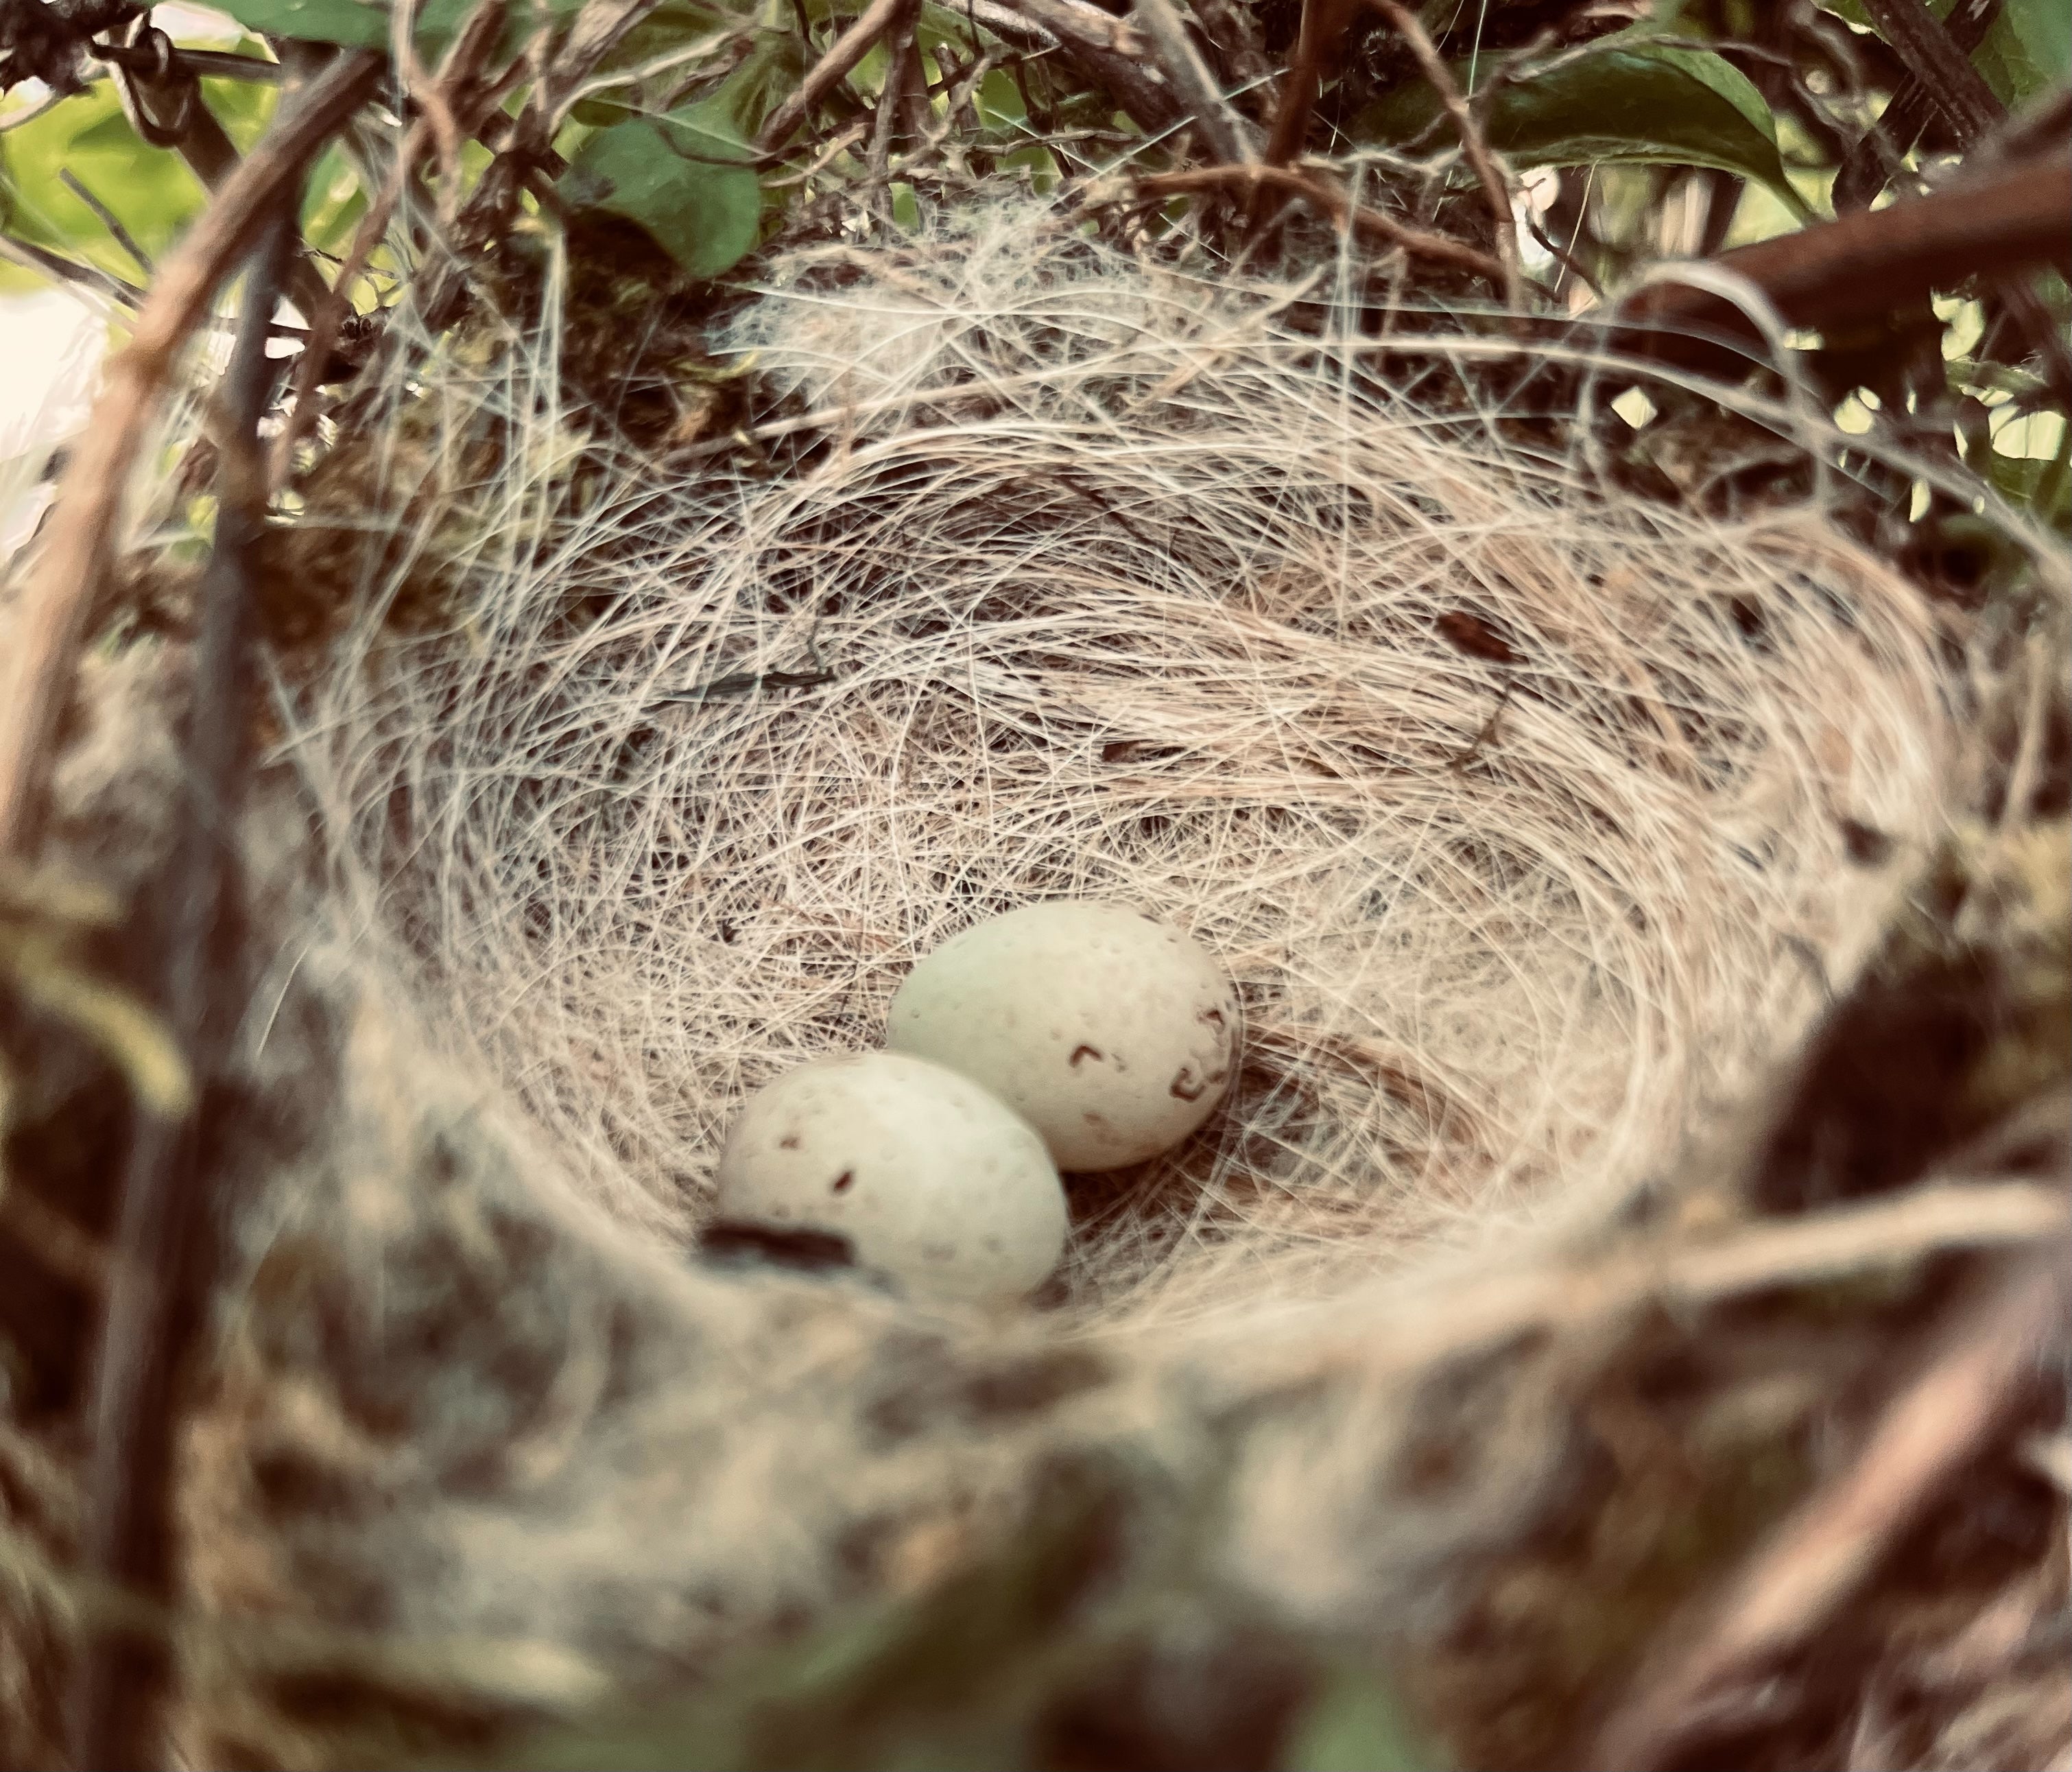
(1538,820)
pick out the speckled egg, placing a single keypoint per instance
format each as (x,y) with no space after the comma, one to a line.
(1113,1034)
(932,1180)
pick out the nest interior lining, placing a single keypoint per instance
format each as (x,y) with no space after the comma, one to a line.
(1516,808)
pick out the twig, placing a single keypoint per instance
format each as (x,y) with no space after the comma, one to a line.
(1496,188)
(1869,166)
(32,257)
(1372,224)
(846,51)
(1934,59)
(107,219)
(1323,29)
(1974,114)
(1109,52)
(1009,25)
(1929,1433)
(1076,23)
(1223,131)
(901,63)
(1862,265)
(1936,1218)
(80,542)
(324,324)
(166,1237)
(418,84)
(162,97)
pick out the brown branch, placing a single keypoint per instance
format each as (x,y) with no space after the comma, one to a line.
(324,324)
(1869,166)
(1313,188)
(847,50)
(1863,265)
(161,93)
(431,101)
(1221,130)
(1932,56)
(167,1234)
(1496,188)
(902,69)
(80,542)
(1107,52)
(1927,1436)
(1324,23)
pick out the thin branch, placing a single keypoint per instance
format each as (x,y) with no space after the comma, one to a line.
(162,98)
(107,219)
(417,83)
(847,50)
(1869,166)
(1933,58)
(1109,52)
(1496,188)
(1862,265)
(32,257)
(902,69)
(166,1239)
(1324,23)
(1223,131)
(79,545)
(1926,1436)
(324,324)
(1314,188)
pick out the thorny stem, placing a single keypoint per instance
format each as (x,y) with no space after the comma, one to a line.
(1495,188)
(1372,224)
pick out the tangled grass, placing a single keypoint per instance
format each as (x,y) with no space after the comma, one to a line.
(1521,809)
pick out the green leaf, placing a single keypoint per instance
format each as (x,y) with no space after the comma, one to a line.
(360,24)
(2044,28)
(347,22)
(2028,50)
(1648,104)
(682,177)
(150,189)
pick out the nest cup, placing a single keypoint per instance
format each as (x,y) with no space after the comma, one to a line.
(1519,807)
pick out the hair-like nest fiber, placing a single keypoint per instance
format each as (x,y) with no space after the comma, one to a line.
(1520,808)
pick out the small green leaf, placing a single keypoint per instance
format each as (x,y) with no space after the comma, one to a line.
(347,22)
(1634,104)
(2028,50)
(682,177)
(2044,29)
(150,189)
(362,24)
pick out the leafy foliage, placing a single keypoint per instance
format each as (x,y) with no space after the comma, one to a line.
(1615,103)
(682,176)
